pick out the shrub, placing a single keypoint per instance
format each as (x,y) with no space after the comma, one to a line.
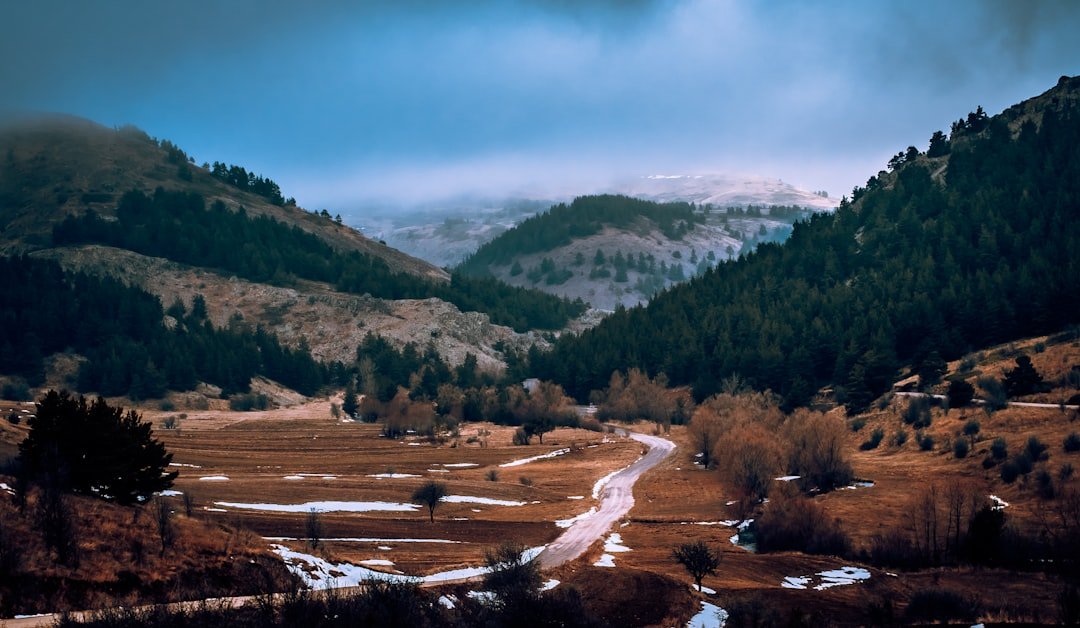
(521,437)
(1071,442)
(917,413)
(988,462)
(1044,484)
(971,428)
(899,438)
(166,405)
(874,440)
(960,448)
(1009,472)
(960,393)
(525,480)
(14,418)
(926,443)
(17,390)
(795,523)
(248,402)
(492,475)
(993,393)
(857,424)
(929,605)
(1065,472)
(999,449)
(1036,449)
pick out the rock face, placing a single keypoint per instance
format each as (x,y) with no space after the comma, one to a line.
(331,323)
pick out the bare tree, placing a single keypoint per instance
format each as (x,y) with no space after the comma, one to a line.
(430,494)
(511,575)
(163,519)
(313,529)
(698,559)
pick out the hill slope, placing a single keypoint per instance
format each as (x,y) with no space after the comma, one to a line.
(615,250)
(974,245)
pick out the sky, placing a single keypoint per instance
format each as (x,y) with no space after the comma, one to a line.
(403,101)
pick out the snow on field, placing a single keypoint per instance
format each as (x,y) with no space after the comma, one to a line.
(328,506)
(787,478)
(461,465)
(293,477)
(438,470)
(858,484)
(166,493)
(447,601)
(518,463)
(181,464)
(566,523)
(731,523)
(827,579)
(214,478)
(550,584)
(736,538)
(387,548)
(469,499)
(606,560)
(704,589)
(7,488)
(711,616)
(614,543)
(575,497)
(324,476)
(484,597)
(359,539)
(598,488)
(999,504)
(377,562)
(208,509)
(393,476)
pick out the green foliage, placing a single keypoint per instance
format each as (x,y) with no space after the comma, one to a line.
(583,217)
(178,225)
(853,294)
(240,178)
(94,449)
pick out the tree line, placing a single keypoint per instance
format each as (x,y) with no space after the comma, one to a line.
(129,350)
(915,266)
(179,226)
(583,217)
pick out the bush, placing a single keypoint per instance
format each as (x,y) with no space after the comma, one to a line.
(917,413)
(960,393)
(521,437)
(492,475)
(1071,442)
(993,393)
(857,424)
(999,449)
(1044,484)
(971,428)
(874,440)
(525,480)
(17,390)
(248,402)
(166,406)
(1009,472)
(929,605)
(14,418)
(899,438)
(794,523)
(926,443)
(960,448)
(1036,449)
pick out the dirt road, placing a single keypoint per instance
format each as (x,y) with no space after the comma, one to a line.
(617,500)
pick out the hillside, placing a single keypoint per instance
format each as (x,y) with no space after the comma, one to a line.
(446,232)
(55,166)
(971,243)
(615,250)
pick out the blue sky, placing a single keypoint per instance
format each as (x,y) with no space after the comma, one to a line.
(344,102)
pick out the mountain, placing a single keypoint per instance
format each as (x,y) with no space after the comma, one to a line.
(972,242)
(446,232)
(613,250)
(55,166)
(230,265)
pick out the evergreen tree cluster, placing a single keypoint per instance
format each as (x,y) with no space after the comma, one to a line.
(240,178)
(990,254)
(177,225)
(129,350)
(583,217)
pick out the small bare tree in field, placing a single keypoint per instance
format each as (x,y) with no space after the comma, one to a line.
(313,528)
(430,494)
(698,559)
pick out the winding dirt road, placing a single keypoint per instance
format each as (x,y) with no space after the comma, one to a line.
(616,500)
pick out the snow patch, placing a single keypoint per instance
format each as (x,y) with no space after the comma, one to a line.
(710,616)
(461,465)
(208,509)
(181,464)
(575,497)
(857,485)
(166,493)
(214,478)
(393,476)
(606,560)
(438,470)
(469,499)
(614,543)
(447,601)
(550,584)
(327,506)
(553,454)
(359,539)
(566,523)
(827,579)
(999,504)
(378,562)
(5,487)
(704,589)
(787,478)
